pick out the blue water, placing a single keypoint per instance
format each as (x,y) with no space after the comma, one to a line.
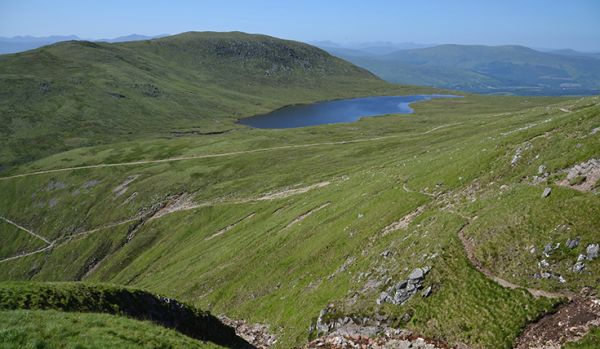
(335,112)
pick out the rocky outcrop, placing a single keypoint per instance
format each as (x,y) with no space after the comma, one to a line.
(402,291)
(583,176)
(372,337)
(591,253)
(256,334)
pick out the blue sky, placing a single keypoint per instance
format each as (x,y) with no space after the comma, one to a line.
(537,23)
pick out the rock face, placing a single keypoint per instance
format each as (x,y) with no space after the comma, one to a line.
(354,336)
(405,289)
(256,334)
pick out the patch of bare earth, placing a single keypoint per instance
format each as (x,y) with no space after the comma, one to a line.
(230,226)
(306,214)
(178,202)
(583,176)
(289,192)
(404,222)
(569,323)
(122,188)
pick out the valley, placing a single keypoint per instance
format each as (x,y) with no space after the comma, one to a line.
(455,224)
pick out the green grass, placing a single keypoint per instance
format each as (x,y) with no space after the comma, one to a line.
(120,301)
(262,271)
(20,240)
(54,329)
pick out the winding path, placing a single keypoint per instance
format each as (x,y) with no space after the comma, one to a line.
(25,230)
(166,210)
(217,155)
(470,251)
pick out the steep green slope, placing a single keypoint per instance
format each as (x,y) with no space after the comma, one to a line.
(53,329)
(78,93)
(121,301)
(486,69)
(280,223)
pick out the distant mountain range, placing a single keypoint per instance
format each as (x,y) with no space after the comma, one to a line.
(25,43)
(483,69)
(474,68)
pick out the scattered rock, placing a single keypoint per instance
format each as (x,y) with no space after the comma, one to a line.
(541,169)
(578,267)
(343,267)
(426,292)
(592,251)
(416,274)
(90,184)
(55,185)
(44,87)
(572,243)
(53,202)
(116,95)
(546,192)
(516,157)
(583,176)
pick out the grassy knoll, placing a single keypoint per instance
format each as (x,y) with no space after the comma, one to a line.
(54,329)
(114,300)
(274,236)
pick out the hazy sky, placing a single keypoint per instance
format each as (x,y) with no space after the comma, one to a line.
(537,23)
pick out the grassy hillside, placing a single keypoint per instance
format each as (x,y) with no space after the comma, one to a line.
(486,69)
(77,93)
(114,300)
(285,222)
(53,329)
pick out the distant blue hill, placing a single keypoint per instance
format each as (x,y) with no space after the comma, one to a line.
(25,43)
(485,69)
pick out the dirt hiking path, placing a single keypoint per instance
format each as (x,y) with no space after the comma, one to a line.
(207,156)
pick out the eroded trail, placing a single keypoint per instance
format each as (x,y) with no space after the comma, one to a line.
(173,204)
(470,251)
(25,230)
(570,322)
(217,155)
